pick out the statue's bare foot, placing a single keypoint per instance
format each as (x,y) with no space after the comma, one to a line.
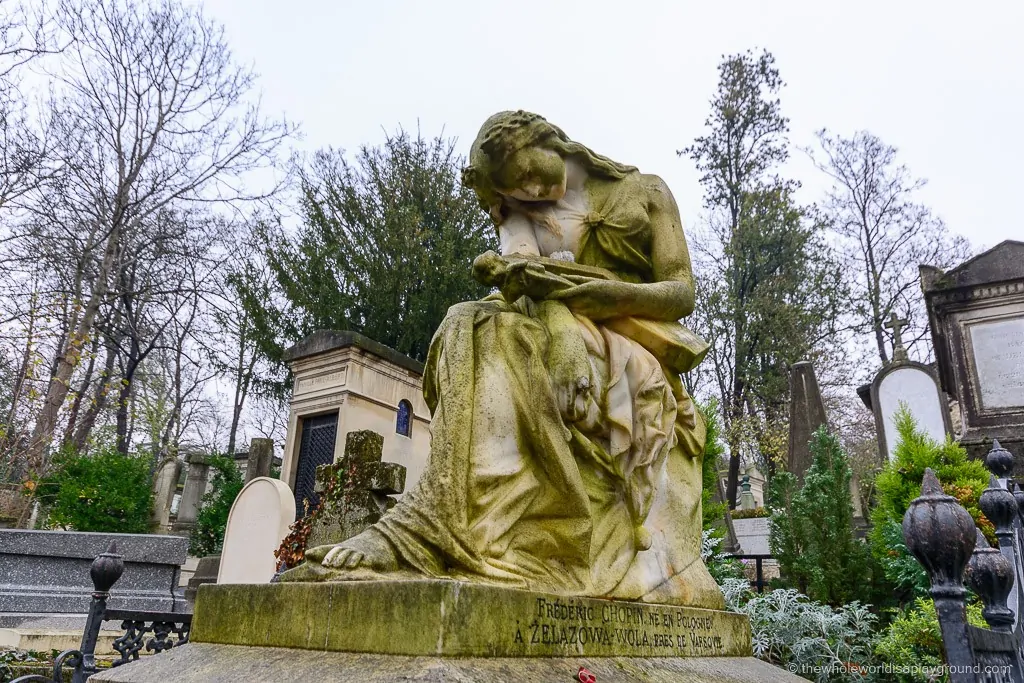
(368,550)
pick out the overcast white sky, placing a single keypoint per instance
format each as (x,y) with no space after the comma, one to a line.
(941,81)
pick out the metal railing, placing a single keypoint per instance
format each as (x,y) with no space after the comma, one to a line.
(169,629)
(942,535)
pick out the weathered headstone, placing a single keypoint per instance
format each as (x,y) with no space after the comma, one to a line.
(261,458)
(258,521)
(806,414)
(365,490)
(904,383)
(976,316)
(206,572)
(164,488)
(192,493)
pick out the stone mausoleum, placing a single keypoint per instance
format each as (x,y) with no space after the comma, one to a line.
(346,382)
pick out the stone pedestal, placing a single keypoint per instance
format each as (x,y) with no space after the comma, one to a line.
(430,630)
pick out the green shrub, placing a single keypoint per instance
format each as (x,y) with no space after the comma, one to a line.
(811,531)
(207,536)
(912,645)
(753,513)
(102,491)
(900,482)
(813,640)
(721,567)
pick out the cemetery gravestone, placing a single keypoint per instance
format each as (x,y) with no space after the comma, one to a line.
(976,316)
(261,458)
(258,521)
(913,386)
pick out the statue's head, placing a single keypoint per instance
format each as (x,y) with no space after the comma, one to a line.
(520,155)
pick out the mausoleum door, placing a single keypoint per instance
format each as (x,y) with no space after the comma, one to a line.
(316,448)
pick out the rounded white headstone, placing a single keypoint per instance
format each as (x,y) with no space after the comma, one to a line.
(258,522)
(917,389)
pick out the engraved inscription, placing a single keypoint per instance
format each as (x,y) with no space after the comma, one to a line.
(582,625)
(999,362)
(331,379)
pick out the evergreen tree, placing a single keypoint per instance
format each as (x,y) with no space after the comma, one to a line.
(386,246)
(811,530)
(770,287)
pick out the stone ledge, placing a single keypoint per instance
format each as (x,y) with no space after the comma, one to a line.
(195,663)
(454,619)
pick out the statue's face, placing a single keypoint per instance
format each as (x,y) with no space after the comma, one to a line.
(532,174)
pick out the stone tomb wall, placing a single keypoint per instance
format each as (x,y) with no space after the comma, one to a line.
(365,390)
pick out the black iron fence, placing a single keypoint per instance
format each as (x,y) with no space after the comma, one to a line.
(168,629)
(942,536)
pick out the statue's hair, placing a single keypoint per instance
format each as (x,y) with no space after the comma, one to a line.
(507,132)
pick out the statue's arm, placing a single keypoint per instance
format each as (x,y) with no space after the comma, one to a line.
(670,296)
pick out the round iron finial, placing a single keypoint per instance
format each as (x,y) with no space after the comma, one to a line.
(990,574)
(941,535)
(106,569)
(999,460)
(999,505)
(1018,494)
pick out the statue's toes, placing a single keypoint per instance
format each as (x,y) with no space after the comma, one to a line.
(317,554)
(337,557)
(353,560)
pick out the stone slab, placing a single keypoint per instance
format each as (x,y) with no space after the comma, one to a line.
(209,663)
(45,640)
(451,618)
(753,535)
(46,572)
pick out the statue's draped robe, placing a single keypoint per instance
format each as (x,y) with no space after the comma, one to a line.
(513,495)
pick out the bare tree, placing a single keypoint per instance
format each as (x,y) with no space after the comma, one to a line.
(151,112)
(885,234)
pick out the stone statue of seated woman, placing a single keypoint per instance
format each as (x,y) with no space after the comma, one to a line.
(565,452)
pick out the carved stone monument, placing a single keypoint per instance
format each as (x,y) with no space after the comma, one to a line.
(976,315)
(806,414)
(557,522)
(364,493)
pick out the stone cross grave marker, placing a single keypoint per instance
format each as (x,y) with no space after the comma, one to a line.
(896,324)
(258,522)
(367,486)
